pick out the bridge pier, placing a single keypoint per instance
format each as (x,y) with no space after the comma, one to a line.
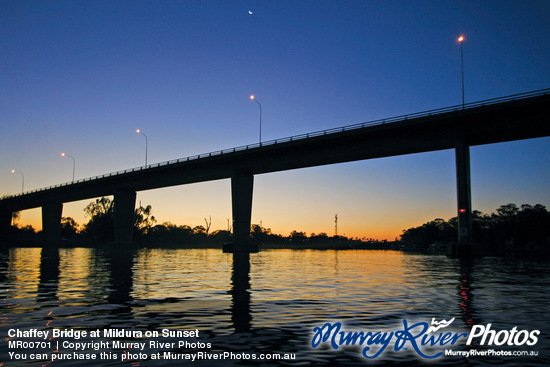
(241,198)
(125,206)
(5,221)
(464,194)
(51,223)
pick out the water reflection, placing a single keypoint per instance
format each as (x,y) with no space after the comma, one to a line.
(4,262)
(269,300)
(49,275)
(120,267)
(240,292)
(466,293)
(23,272)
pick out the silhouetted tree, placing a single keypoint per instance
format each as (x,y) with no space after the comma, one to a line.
(199,230)
(296,236)
(15,217)
(27,229)
(259,234)
(220,236)
(143,220)
(525,225)
(69,228)
(436,230)
(101,225)
(208,224)
(101,207)
(319,238)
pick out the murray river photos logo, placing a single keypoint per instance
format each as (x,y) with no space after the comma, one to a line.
(426,340)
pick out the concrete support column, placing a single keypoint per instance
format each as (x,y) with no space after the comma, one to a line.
(5,222)
(241,197)
(463,189)
(125,206)
(51,223)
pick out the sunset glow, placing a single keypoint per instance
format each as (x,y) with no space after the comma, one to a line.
(184,81)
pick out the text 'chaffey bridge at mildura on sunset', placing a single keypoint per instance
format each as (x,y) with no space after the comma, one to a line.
(516,117)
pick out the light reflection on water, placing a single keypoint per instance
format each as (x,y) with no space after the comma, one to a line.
(270,301)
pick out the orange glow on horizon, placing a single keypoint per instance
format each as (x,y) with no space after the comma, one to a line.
(33,218)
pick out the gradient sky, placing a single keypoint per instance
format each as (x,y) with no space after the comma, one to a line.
(81,76)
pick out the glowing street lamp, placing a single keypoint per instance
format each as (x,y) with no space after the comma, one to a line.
(146,143)
(22,179)
(460,40)
(74,162)
(255,99)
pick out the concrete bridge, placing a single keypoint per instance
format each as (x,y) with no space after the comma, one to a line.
(517,117)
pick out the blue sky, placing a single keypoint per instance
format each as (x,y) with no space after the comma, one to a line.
(81,76)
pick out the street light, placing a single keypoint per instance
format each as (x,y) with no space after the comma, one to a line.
(74,162)
(254,99)
(460,40)
(146,143)
(22,179)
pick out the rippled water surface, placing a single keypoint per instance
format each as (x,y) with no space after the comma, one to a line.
(270,302)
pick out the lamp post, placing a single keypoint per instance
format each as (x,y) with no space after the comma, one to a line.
(146,143)
(74,161)
(22,179)
(460,40)
(259,105)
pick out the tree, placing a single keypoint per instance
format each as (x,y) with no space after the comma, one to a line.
(259,233)
(199,231)
(524,225)
(319,238)
(296,236)
(208,224)
(143,220)
(220,236)
(101,207)
(436,230)
(508,211)
(101,225)
(15,217)
(69,228)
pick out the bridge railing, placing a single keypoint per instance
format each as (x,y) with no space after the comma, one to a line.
(314,134)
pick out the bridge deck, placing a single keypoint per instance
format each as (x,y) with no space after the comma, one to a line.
(505,119)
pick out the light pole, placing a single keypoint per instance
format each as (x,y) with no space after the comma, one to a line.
(22,179)
(460,40)
(146,143)
(255,99)
(74,161)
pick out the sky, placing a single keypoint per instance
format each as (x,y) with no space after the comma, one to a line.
(81,76)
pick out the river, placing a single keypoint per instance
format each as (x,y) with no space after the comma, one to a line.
(263,304)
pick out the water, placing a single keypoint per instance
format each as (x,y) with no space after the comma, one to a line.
(269,302)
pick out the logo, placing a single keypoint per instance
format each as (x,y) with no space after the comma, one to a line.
(503,337)
(439,325)
(422,338)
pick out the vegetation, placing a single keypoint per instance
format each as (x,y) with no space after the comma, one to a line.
(511,225)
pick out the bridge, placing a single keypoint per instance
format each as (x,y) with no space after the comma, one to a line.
(521,116)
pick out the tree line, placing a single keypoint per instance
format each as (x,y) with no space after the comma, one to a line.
(525,225)
(100,229)
(521,226)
